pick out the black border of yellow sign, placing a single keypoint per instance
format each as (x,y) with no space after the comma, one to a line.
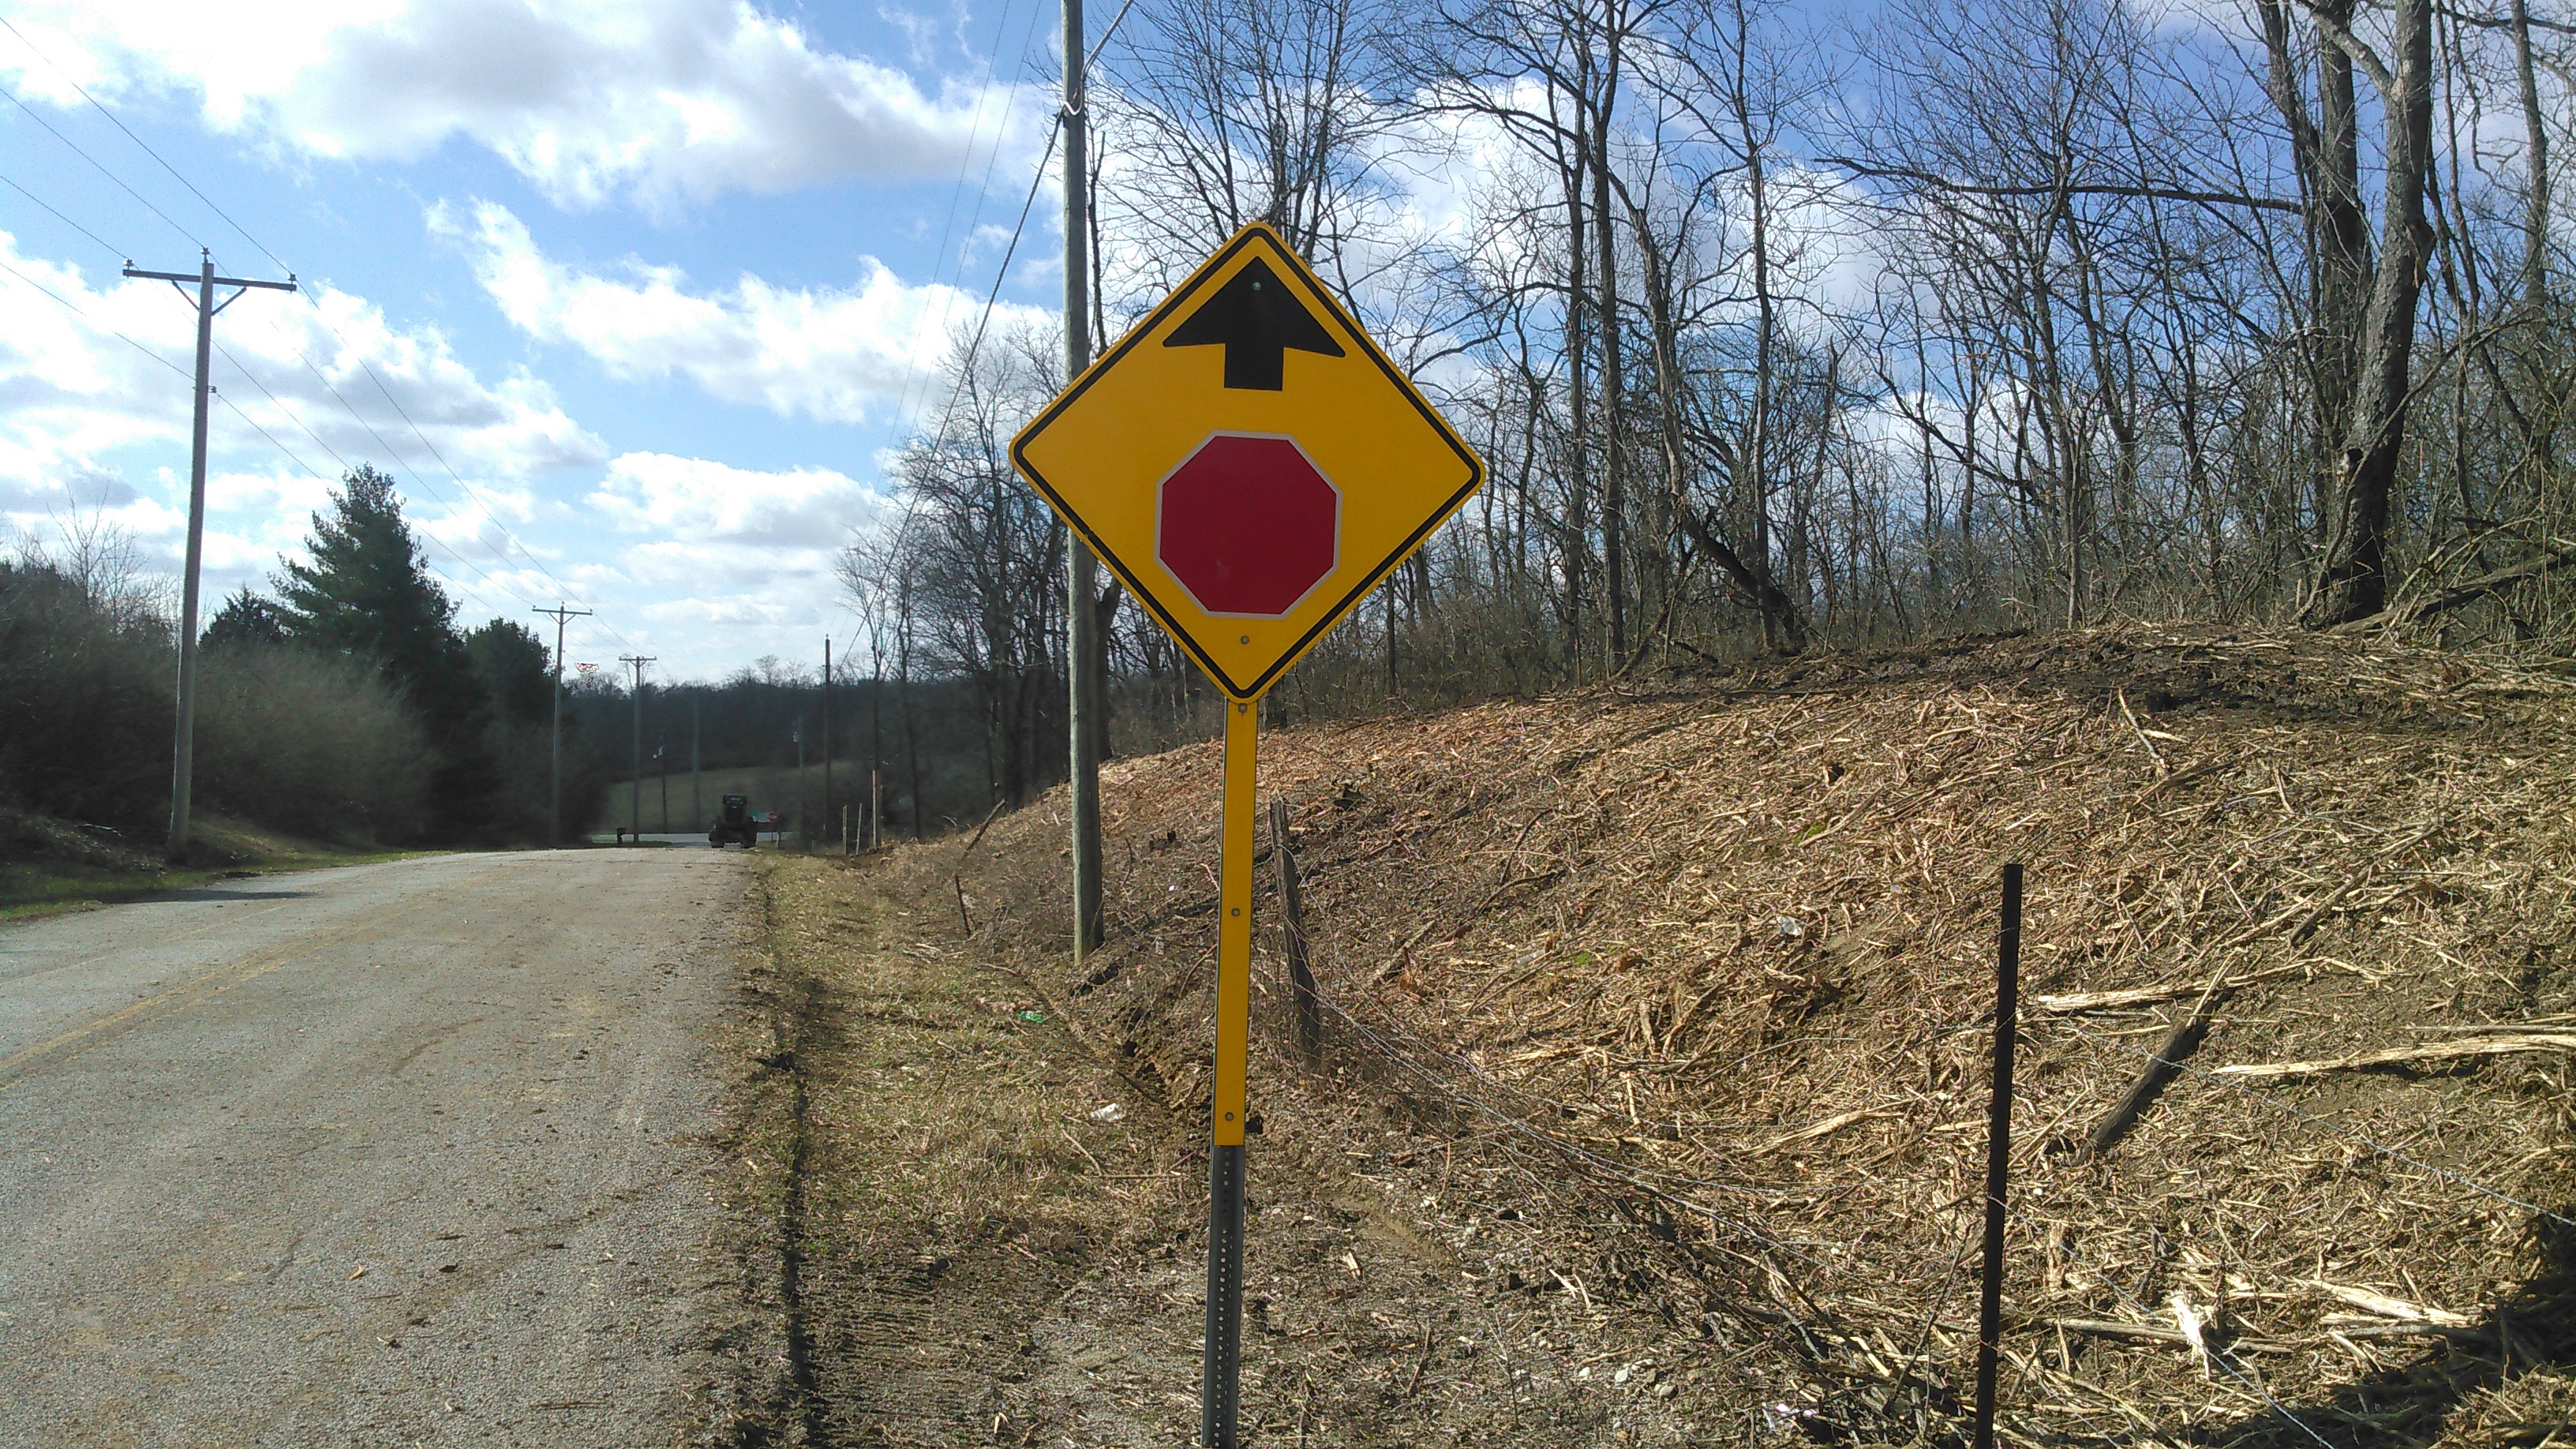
(1255,233)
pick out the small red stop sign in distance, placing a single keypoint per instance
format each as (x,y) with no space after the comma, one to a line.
(1248,525)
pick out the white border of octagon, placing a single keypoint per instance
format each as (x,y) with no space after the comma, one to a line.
(1200,447)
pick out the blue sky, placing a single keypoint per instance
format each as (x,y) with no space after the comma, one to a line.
(651,286)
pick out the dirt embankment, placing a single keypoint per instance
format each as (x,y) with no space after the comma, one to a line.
(1653,1100)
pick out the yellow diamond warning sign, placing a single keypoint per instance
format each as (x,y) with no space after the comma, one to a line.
(1248,462)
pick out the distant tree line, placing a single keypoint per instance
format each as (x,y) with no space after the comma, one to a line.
(769,715)
(349,706)
(1967,314)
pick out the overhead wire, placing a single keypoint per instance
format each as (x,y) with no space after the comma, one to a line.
(75,309)
(58,216)
(292,416)
(992,163)
(418,477)
(137,140)
(102,167)
(273,441)
(1004,270)
(421,479)
(289,453)
(957,192)
(479,576)
(1102,44)
(489,511)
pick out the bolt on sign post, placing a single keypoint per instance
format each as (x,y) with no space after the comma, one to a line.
(1250,465)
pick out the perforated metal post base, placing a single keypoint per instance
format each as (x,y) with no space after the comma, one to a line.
(1221,1376)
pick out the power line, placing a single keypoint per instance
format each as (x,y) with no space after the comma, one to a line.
(490,512)
(344,342)
(1103,43)
(292,416)
(992,163)
(75,309)
(65,220)
(360,357)
(957,192)
(102,167)
(1004,270)
(395,455)
(139,141)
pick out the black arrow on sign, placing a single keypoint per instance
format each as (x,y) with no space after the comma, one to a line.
(1256,319)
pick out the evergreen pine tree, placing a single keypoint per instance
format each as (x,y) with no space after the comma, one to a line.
(245,620)
(368,592)
(514,666)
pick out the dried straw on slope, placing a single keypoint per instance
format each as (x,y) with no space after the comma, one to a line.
(1727,948)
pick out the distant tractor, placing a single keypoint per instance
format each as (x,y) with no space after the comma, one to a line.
(737,823)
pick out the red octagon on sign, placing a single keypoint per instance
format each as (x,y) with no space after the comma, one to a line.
(1248,524)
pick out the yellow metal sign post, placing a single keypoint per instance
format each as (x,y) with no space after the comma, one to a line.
(1250,465)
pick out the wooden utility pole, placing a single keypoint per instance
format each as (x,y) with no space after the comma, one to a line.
(554,815)
(183,747)
(1084,657)
(635,810)
(828,816)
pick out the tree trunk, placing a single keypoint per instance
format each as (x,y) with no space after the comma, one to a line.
(1578,523)
(2353,582)
(1614,495)
(2535,202)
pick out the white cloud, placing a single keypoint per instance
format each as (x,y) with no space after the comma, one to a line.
(660,102)
(698,500)
(722,563)
(97,425)
(835,354)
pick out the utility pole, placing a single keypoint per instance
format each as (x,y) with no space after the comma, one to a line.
(554,827)
(635,811)
(1086,700)
(828,816)
(183,748)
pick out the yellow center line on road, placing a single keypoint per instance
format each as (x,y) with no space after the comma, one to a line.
(98,1032)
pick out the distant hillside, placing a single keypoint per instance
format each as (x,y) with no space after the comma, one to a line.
(1720,950)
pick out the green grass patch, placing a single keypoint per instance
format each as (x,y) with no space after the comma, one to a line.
(53,867)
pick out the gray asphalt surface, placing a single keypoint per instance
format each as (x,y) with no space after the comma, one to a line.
(417,1152)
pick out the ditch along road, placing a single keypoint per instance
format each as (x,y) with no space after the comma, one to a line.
(428,1151)
(994,1226)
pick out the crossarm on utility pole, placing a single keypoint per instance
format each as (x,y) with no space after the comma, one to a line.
(554,814)
(183,745)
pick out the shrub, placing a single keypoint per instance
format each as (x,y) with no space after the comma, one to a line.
(313,743)
(85,702)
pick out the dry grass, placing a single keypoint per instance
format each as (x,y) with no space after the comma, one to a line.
(1721,951)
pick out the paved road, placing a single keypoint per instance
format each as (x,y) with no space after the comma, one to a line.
(402,1153)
